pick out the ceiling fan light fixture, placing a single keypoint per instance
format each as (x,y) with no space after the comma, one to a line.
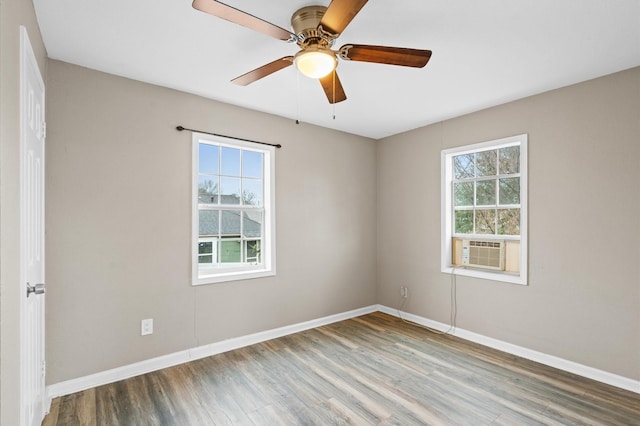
(315,62)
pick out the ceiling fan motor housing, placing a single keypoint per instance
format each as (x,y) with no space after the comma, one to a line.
(305,24)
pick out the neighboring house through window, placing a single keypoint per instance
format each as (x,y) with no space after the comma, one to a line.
(484,210)
(233,217)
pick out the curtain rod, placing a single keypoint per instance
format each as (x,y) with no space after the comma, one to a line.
(180,128)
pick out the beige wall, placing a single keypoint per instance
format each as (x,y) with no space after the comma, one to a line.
(583,298)
(13,13)
(118,224)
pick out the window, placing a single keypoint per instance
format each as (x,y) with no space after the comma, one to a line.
(233,217)
(484,210)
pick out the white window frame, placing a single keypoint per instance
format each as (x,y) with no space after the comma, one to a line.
(448,212)
(268,247)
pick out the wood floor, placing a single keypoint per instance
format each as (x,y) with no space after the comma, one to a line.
(374,369)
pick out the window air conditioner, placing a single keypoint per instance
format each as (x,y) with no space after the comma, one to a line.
(483,254)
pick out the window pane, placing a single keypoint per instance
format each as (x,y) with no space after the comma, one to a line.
(464,222)
(229,190)
(252,192)
(230,161)
(208,222)
(509,221)
(463,194)
(205,247)
(252,250)
(208,158)
(485,221)
(463,166)
(205,259)
(486,193)
(230,251)
(251,164)
(486,163)
(252,224)
(510,191)
(230,223)
(207,189)
(510,160)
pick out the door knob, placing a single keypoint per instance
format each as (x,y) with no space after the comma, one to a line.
(36,289)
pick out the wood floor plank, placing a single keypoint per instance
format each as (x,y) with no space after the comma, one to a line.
(78,409)
(374,369)
(210,397)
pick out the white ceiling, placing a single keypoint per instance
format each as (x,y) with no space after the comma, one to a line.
(484,53)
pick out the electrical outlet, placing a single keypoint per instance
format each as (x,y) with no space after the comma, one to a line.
(146,326)
(404,292)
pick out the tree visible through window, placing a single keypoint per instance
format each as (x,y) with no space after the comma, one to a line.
(486,192)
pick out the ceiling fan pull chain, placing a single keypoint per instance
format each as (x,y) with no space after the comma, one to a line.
(334,94)
(297,96)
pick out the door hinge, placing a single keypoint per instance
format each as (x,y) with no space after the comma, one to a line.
(44,369)
(44,130)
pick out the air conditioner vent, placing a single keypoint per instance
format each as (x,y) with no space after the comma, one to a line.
(483,254)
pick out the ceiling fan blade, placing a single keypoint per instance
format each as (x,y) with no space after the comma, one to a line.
(339,14)
(239,17)
(333,88)
(385,55)
(263,71)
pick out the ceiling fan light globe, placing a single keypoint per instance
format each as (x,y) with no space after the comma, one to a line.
(315,63)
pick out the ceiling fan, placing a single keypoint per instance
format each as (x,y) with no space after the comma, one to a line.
(315,30)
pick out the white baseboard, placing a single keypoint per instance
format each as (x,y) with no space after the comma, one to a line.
(550,360)
(158,363)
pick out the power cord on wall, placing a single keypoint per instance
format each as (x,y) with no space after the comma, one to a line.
(453,313)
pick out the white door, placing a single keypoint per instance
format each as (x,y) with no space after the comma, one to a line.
(32,134)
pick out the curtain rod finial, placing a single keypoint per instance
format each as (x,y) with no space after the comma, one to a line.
(180,128)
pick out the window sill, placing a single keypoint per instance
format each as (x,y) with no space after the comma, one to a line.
(233,276)
(485,275)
